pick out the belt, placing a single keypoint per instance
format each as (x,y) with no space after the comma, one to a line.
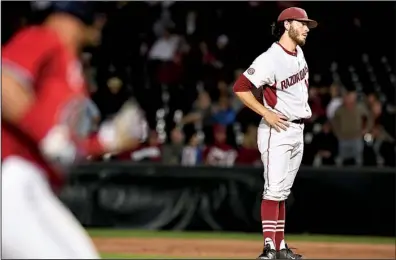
(298,121)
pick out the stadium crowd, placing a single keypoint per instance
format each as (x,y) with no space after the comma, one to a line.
(180,60)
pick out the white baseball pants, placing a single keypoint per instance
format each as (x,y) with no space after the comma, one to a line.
(35,223)
(281,154)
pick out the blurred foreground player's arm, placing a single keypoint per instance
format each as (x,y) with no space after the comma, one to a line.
(15,99)
(39,100)
(22,61)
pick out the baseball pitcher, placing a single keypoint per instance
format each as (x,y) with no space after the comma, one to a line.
(282,74)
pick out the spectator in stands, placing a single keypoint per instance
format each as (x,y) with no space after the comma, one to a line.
(208,57)
(201,112)
(210,66)
(109,100)
(325,144)
(376,114)
(225,89)
(165,58)
(219,153)
(172,153)
(316,104)
(382,113)
(223,113)
(163,23)
(379,143)
(248,153)
(165,47)
(348,127)
(371,99)
(224,55)
(335,100)
(191,23)
(192,153)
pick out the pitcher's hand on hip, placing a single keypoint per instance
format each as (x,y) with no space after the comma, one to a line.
(276,121)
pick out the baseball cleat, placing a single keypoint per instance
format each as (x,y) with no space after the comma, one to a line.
(268,253)
(287,253)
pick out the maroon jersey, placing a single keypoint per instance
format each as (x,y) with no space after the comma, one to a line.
(219,155)
(248,156)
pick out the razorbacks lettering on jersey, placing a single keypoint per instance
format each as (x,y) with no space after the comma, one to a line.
(283,75)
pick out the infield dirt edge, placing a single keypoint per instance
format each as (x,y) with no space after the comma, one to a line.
(119,233)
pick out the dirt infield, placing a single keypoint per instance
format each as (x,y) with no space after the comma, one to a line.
(226,248)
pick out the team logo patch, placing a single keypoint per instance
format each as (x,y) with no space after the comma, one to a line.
(250,71)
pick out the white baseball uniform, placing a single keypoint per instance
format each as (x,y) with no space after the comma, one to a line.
(283,76)
(34,221)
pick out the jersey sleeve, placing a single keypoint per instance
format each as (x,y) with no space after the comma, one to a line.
(26,55)
(261,71)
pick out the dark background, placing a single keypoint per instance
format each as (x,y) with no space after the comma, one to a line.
(348,33)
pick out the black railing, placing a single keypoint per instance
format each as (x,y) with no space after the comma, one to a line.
(153,196)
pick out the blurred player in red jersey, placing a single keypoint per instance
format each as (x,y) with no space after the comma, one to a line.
(43,100)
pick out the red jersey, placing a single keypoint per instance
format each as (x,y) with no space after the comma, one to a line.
(37,58)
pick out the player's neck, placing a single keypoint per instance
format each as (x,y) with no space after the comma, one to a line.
(288,44)
(68,32)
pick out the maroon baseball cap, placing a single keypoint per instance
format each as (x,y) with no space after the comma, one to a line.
(296,13)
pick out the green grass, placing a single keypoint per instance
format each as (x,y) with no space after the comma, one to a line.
(126,256)
(238,236)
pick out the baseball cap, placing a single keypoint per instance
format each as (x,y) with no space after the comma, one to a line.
(296,13)
(83,10)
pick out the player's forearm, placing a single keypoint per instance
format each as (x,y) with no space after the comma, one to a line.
(94,146)
(26,112)
(23,110)
(251,102)
(15,99)
(107,140)
(242,89)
